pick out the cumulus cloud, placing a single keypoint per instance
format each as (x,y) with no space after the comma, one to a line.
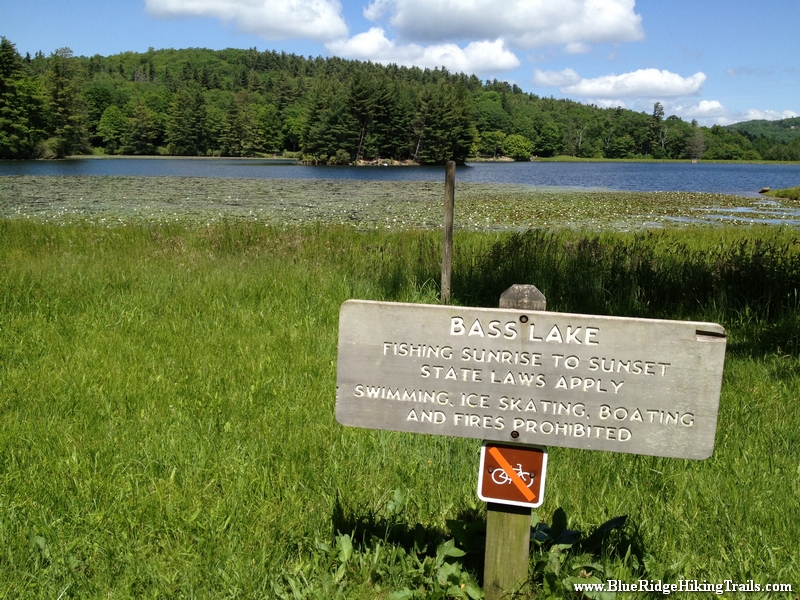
(522,23)
(376,9)
(713,112)
(609,103)
(555,78)
(644,83)
(704,109)
(577,48)
(320,20)
(431,34)
(768,115)
(476,57)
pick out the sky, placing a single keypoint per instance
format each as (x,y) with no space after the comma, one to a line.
(716,61)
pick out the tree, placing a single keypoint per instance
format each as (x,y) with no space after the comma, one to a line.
(145,131)
(445,128)
(113,128)
(186,131)
(696,145)
(329,125)
(548,142)
(576,132)
(67,122)
(97,97)
(180,102)
(489,113)
(679,132)
(518,147)
(391,126)
(268,128)
(363,101)
(22,107)
(490,142)
(658,133)
(239,136)
(621,146)
(10,65)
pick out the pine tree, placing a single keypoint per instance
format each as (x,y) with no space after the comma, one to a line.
(10,65)
(186,131)
(268,128)
(329,126)
(22,107)
(143,135)
(67,120)
(445,127)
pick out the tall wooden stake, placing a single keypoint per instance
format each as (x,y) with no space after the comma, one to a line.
(508,528)
(447,243)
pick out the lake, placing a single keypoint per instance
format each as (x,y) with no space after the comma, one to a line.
(740,179)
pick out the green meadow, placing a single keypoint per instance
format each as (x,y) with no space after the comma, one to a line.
(167,390)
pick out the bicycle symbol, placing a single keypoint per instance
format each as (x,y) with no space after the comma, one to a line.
(500,477)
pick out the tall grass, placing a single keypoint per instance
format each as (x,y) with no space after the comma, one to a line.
(748,279)
(166,410)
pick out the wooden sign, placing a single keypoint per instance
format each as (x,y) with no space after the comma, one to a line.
(637,386)
(512,474)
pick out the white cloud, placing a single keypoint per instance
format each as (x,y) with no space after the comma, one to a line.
(476,57)
(555,78)
(320,20)
(644,83)
(706,112)
(376,9)
(713,112)
(768,115)
(577,48)
(609,103)
(522,23)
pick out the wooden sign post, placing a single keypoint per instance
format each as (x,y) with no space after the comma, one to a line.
(447,241)
(523,375)
(508,528)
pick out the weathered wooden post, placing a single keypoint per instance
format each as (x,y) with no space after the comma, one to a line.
(447,243)
(508,528)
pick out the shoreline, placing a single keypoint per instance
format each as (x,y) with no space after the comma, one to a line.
(410,163)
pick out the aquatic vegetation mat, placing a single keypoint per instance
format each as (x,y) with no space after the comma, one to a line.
(371,204)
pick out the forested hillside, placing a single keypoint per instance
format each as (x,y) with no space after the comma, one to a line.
(197,102)
(774,140)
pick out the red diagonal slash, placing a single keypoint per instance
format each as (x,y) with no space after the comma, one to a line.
(516,479)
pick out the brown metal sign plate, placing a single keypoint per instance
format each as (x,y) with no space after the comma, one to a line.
(512,474)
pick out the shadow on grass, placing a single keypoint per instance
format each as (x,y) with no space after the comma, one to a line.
(560,556)
(387,524)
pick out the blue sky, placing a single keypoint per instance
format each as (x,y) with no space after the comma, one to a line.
(713,60)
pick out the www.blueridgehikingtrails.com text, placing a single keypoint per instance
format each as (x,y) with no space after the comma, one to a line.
(683,585)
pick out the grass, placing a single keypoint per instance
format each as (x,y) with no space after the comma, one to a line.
(167,429)
(788,193)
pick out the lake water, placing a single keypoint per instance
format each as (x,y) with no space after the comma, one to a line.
(744,179)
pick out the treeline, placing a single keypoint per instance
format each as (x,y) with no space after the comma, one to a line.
(774,140)
(197,102)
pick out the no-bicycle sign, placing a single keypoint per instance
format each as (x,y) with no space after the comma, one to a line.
(512,474)
(639,386)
